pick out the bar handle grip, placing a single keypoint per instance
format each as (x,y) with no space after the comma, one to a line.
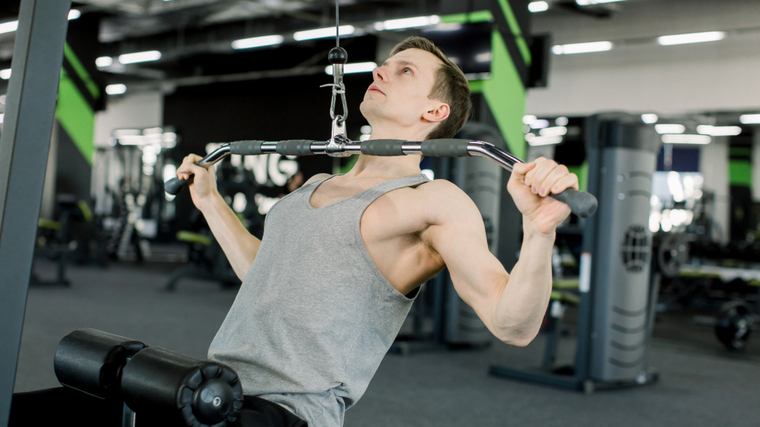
(175,185)
(291,147)
(445,147)
(582,203)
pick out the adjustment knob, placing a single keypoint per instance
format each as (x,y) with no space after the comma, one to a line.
(338,55)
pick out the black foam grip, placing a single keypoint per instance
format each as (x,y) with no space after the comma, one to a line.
(383,147)
(175,185)
(294,147)
(246,148)
(92,361)
(199,392)
(582,203)
(445,147)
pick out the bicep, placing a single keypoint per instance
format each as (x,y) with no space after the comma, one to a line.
(460,239)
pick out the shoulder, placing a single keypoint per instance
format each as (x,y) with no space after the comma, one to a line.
(317,177)
(445,202)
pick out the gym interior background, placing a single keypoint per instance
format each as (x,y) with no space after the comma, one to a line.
(145,82)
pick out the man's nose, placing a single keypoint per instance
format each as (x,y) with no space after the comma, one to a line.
(379,74)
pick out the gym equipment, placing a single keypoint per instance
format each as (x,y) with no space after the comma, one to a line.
(206,261)
(734,325)
(25,142)
(454,323)
(127,187)
(581,203)
(672,253)
(151,381)
(617,298)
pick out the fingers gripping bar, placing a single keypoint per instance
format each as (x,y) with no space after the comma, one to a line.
(581,203)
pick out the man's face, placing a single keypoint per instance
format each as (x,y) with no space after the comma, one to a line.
(399,92)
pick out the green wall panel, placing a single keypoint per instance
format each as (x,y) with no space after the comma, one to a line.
(76,117)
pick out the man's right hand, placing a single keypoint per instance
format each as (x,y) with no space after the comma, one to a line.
(203,188)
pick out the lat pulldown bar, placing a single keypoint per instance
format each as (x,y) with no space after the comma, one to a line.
(581,203)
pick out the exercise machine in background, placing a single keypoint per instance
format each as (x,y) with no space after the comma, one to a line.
(617,299)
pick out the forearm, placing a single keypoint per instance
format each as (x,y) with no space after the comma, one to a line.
(523,302)
(238,244)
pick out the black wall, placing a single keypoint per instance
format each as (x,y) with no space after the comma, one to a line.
(267,109)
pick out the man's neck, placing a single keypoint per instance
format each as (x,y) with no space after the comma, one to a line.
(392,166)
(395,132)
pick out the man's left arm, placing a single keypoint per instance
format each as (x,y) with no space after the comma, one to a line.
(512,306)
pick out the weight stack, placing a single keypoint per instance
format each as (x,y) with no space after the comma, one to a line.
(622,155)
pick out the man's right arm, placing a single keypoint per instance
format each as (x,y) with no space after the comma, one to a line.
(238,244)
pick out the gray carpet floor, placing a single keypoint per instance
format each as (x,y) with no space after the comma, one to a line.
(700,384)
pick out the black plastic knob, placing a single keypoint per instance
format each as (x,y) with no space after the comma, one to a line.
(338,55)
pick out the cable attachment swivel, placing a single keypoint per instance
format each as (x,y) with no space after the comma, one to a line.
(338,58)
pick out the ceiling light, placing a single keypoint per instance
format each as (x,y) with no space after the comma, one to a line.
(104,61)
(719,130)
(5,74)
(553,131)
(2,117)
(358,67)
(536,141)
(538,6)
(415,22)
(568,49)
(592,2)
(116,89)
(11,26)
(750,119)
(710,36)
(133,58)
(529,119)
(257,42)
(662,129)
(539,124)
(320,33)
(649,119)
(686,139)
(449,26)
(8,27)
(561,121)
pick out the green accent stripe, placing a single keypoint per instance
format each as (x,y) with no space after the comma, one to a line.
(740,152)
(81,71)
(504,91)
(505,95)
(76,117)
(461,18)
(516,31)
(740,173)
(582,172)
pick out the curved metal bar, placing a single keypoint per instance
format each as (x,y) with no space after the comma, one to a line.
(214,156)
(488,150)
(582,203)
(474,148)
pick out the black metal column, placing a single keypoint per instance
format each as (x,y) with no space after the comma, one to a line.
(30,108)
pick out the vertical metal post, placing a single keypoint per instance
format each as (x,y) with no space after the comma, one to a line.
(24,146)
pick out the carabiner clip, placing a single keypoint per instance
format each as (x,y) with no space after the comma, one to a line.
(336,146)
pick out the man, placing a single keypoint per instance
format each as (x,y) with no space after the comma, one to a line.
(327,289)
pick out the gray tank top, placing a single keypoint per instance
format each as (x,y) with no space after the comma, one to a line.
(314,317)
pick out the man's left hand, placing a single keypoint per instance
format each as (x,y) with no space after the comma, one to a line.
(531,183)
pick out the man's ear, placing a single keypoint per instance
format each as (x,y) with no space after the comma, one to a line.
(438,114)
